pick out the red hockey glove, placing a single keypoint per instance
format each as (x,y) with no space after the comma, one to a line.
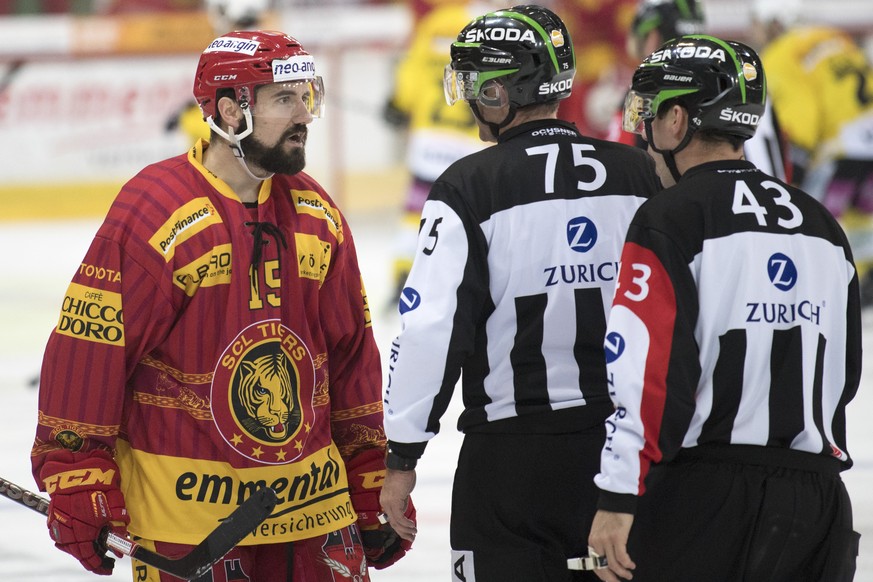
(85,499)
(382,545)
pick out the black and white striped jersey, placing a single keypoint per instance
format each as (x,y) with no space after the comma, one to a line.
(767,148)
(736,321)
(514,273)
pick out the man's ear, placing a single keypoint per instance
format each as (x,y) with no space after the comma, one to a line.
(230,112)
(679,120)
(493,94)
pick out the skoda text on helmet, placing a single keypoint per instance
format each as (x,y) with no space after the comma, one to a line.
(526,49)
(720,83)
(245,60)
(671,18)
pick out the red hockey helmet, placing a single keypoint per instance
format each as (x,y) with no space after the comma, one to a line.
(245,60)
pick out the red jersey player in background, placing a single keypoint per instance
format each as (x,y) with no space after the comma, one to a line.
(598,29)
(216,339)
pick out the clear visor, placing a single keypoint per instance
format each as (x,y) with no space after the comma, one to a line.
(460,85)
(285,98)
(313,96)
(474,86)
(637,109)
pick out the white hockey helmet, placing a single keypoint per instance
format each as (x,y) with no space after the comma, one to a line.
(228,15)
(784,12)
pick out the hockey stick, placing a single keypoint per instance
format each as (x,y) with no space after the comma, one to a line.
(198,561)
(10,74)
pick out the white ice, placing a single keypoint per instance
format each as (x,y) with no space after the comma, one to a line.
(39,259)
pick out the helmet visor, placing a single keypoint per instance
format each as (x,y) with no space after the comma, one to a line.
(461,85)
(638,107)
(313,96)
(285,99)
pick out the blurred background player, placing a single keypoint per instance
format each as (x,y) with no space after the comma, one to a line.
(228,15)
(656,22)
(821,83)
(224,16)
(436,134)
(598,29)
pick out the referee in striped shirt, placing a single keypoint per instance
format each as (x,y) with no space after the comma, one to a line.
(733,347)
(515,269)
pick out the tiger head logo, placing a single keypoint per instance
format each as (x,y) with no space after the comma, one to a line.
(266,397)
(263,390)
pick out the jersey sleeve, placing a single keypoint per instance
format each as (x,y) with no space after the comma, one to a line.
(440,305)
(652,318)
(112,313)
(355,376)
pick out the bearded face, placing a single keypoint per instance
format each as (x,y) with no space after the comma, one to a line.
(286,156)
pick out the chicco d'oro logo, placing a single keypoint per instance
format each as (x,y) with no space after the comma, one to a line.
(782,272)
(256,393)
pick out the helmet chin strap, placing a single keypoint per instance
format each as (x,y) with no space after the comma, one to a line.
(669,155)
(235,142)
(494,127)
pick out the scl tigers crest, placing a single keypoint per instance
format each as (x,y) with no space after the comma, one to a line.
(262,393)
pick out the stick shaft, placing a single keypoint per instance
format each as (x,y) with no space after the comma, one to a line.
(221,540)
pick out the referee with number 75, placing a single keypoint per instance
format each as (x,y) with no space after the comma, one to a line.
(511,282)
(733,347)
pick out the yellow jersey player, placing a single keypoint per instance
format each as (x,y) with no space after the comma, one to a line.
(437,133)
(821,82)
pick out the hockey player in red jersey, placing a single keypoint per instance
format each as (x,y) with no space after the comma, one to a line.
(216,339)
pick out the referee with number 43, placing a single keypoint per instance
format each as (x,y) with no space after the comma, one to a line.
(511,281)
(733,347)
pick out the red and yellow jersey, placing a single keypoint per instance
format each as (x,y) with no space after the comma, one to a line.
(217,348)
(822,86)
(439,133)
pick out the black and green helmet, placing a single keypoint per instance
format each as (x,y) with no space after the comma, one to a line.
(671,18)
(720,82)
(527,48)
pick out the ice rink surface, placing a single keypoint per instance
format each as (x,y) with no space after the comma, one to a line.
(39,259)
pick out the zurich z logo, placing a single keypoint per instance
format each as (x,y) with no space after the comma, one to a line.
(581,234)
(613,346)
(409,299)
(782,272)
